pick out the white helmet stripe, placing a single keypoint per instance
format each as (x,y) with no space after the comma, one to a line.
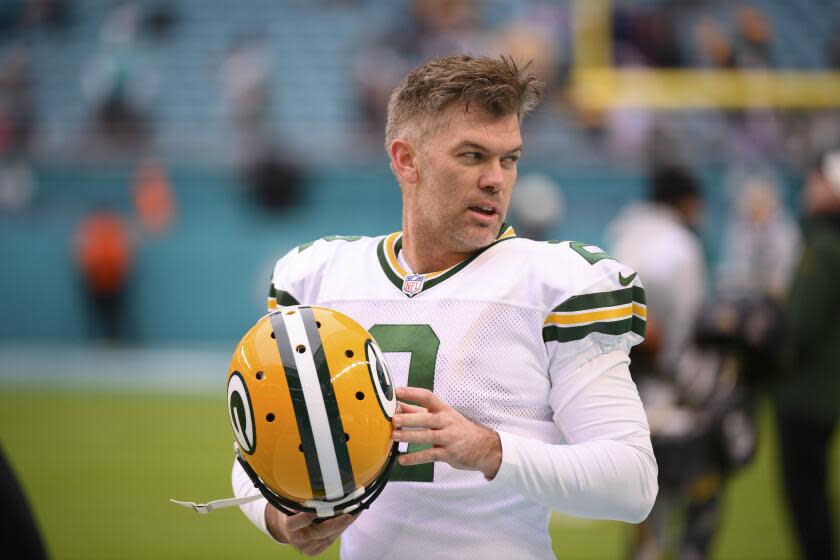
(318,419)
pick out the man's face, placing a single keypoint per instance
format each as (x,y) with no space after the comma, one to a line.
(467,169)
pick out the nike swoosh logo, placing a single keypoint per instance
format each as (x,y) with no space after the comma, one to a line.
(626,281)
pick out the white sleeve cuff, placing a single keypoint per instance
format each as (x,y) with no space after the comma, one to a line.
(510,459)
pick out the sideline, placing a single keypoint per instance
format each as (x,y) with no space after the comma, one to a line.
(102,368)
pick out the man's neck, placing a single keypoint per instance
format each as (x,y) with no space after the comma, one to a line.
(424,258)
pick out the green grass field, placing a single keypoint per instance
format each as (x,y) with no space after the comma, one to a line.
(99,470)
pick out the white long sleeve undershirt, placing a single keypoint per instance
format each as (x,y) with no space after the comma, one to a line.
(606,468)
(242,486)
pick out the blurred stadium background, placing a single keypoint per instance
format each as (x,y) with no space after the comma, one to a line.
(215,137)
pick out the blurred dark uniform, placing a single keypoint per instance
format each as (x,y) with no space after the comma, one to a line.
(18,530)
(807,392)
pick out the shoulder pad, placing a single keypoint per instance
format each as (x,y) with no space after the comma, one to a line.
(300,268)
(592,292)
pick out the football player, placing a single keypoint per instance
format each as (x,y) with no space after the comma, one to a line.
(510,355)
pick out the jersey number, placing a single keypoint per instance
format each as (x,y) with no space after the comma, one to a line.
(591,258)
(423,344)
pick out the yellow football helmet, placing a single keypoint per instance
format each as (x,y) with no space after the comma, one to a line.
(310,402)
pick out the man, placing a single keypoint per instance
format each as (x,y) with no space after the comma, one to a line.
(515,352)
(685,381)
(807,392)
(658,239)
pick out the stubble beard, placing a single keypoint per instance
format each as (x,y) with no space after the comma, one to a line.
(457,233)
(469,239)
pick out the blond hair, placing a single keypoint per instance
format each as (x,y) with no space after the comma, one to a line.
(496,85)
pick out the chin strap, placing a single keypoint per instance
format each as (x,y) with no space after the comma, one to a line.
(218,504)
(353,503)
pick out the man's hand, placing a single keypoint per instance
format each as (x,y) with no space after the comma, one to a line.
(455,439)
(301,531)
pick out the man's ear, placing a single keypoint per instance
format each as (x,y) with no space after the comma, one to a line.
(404,161)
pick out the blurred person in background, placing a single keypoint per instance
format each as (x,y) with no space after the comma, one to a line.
(761,243)
(832,45)
(55,14)
(153,198)
(17,104)
(700,426)
(273,177)
(712,46)
(537,205)
(647,36)
(760,250)
(658,238)
(754,38)
(104,256)
(247,94)
(119,86)
(17,129)
(807,392)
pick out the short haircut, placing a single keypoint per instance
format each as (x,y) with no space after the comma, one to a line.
(498,86)
(670,184)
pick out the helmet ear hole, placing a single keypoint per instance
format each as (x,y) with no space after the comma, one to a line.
(360,396)
(269,417)
(348,353)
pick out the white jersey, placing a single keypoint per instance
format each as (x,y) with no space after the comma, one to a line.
(509,338)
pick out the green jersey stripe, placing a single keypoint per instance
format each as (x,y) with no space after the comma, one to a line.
(281,297)
(285,298)
(383,262)
(585,302)
(570,334)
(397,279)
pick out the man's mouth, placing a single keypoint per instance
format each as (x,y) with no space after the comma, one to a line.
(484,210)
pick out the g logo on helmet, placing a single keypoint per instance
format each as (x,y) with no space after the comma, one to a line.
(381,379)
(311,386)
(241,413)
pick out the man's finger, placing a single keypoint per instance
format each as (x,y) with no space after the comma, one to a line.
(423,397)
(420,457)
(418,420)
(404,408)
(298,521)
(413,436)
(331,528)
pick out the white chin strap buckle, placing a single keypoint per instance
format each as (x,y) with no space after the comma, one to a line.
(217,504)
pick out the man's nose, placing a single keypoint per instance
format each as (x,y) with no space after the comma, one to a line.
(492,176)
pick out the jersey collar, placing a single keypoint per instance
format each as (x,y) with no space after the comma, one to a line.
(412,284)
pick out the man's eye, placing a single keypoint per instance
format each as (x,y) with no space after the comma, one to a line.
(471,155)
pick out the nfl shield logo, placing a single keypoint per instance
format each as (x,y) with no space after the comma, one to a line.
(413,284)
